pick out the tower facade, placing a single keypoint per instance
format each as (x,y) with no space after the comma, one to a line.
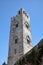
(20,41)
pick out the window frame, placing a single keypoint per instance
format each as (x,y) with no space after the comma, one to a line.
(27,25)
(28,39)
(16,39)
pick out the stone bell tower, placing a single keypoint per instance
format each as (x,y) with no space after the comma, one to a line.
(20,41)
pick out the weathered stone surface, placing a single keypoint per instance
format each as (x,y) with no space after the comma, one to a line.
(33,57)
(19,33)
(20,42)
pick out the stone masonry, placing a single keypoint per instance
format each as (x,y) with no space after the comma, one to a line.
(20,41)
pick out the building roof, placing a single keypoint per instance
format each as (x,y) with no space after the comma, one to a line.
(33,57)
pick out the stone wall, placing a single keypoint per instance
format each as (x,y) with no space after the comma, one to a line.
(33,57)
(20,41)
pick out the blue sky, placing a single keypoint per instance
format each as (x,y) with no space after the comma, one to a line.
(9,8)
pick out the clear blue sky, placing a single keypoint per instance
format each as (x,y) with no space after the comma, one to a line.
(9,8)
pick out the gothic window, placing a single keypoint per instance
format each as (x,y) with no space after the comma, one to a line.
(28,39)
(26,24)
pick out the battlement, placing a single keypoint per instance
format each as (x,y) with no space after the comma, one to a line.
(22,11)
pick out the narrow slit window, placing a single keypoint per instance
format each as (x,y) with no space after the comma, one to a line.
(16,25)
(16,41)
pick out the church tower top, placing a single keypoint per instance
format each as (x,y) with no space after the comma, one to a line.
(22,11)
(20,40)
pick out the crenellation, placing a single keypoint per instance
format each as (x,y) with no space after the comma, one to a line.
(18,44)
(22,11)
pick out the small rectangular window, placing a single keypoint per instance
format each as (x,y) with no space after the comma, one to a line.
(16,25)
(15,41)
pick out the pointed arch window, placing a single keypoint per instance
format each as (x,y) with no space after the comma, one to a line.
(28,39)
(27,25)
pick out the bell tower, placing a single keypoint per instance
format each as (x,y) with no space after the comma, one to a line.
(20,41)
